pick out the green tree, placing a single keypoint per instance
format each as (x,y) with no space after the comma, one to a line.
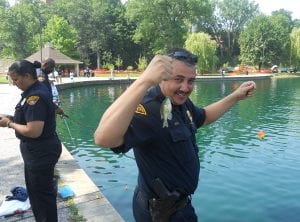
(225,24)
(283,25)
(295,47)
(142,63)
(119,62)
(264,41)
(78,14)
(19,25)
(3,9)
(61,35)
(287,14)
(101,27)
(164,24)
(231,17)
(296,23)
(204,47)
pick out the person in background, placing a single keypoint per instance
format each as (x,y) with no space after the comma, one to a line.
(157,119)
(60,73)
(86,72)
(55,94)
(34,124)
(56,76)
(47,68)
(43,72)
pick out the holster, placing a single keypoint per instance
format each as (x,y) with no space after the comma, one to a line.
(161,210)
(166,204)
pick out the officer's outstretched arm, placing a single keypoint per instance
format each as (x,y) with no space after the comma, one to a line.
(116,119)
(217,109)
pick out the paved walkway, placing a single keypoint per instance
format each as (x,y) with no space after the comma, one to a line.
(89,200)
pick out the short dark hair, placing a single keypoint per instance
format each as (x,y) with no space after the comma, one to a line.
(23,67)
(183,55)
(48,66)
(37,64)
(49,62)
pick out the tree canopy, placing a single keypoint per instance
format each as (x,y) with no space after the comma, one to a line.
(164,24)
(265,41)
(101,32)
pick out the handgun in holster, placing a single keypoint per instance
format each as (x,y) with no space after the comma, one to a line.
(166,204)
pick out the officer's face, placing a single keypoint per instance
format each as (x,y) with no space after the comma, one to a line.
(181,85)
(22,82)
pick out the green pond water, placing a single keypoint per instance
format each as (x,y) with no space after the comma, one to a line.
(242,179)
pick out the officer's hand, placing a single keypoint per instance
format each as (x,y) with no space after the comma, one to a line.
(245,90)
(159,69)
(3,121)
(59,111)
(10,117)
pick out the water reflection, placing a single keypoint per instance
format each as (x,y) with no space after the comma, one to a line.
(111,92)
(71,97)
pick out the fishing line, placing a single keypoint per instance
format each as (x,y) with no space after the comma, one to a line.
(69,131)
(90,129)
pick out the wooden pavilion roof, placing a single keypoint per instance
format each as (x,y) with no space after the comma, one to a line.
(49,52)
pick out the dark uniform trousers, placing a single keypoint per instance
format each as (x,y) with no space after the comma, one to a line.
(41,189)
(142,214)
(40,184)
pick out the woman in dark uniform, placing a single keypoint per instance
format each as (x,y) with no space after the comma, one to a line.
(34,124)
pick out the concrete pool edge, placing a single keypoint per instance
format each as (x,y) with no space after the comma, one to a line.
(89,200)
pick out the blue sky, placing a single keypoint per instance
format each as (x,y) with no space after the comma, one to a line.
(267,6)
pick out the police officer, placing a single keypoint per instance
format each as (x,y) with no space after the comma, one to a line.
(166,154)
(34,124)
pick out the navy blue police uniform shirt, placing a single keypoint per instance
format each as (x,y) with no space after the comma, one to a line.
(168,153)
(36,105)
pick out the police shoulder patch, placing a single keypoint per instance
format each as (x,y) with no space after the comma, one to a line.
(32,100)
(140,109)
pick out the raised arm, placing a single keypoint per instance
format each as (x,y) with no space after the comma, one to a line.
(116,119)
(216,110)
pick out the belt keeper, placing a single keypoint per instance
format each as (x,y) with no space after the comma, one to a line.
(8,122)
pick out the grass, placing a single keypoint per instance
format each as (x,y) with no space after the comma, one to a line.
(74,213)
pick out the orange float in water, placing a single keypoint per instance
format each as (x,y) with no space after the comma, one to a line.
(261,134)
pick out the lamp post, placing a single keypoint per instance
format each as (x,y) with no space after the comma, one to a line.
(40,35)
(263,53)
(39,19)
(290,53)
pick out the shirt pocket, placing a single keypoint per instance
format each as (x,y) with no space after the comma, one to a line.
(180,133)
(182,146)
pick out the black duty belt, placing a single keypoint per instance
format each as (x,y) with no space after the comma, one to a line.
(149,203)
